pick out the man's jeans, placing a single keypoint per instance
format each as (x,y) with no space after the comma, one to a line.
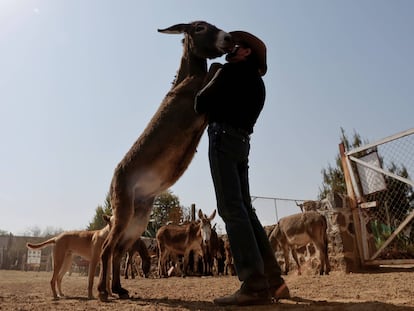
(252,253)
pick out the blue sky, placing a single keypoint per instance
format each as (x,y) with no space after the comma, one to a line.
(80,80)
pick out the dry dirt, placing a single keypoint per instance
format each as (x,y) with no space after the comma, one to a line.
(390,289)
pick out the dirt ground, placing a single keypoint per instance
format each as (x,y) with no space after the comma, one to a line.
(386,289)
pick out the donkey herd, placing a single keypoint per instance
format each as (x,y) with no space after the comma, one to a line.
(157,159)
(189,249)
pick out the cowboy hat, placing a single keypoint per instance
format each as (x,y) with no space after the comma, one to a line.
(255,44)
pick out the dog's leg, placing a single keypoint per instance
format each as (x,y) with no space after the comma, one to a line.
(65,266)
(91,272)
(109,280)
(58,259)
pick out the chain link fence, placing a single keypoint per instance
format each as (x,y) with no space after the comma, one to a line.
(269,210)
(382,178)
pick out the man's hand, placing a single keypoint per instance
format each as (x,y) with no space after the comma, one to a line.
(212,73)
(214,67)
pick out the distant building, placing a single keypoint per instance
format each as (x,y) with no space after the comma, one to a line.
(14,255)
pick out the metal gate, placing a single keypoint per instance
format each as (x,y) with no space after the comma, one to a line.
(381,177)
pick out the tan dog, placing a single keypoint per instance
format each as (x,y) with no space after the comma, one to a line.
(87,244)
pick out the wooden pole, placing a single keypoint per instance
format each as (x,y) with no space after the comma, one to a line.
(193,213)
(353,203)
(348,182)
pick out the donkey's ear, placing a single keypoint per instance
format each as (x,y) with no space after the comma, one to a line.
(175,29)
(106,218)
(212,215)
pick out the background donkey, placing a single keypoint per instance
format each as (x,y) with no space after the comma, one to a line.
(163,151)
(298,230)
(180,240)
(139,247)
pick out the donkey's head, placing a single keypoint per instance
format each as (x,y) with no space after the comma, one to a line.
(205,225)
(203,39)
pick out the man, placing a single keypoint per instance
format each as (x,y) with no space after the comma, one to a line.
(233,100)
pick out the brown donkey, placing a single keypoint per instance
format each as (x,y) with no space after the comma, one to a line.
(180,240)
(163,151)
(139,247)
(298,230)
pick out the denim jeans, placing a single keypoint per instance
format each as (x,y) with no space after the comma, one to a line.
(253,256)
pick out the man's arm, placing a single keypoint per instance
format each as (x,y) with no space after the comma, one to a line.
(200,104)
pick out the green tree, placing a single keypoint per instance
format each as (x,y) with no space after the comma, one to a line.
(166,205)
(333,179)
(166,209)
(98,222)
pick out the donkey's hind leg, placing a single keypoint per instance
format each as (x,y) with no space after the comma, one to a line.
(106,259)
(116,267)
(108,250)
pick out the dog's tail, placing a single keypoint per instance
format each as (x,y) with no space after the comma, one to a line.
(41,245)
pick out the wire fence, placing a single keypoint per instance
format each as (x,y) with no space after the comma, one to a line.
(270,209)
(383,183)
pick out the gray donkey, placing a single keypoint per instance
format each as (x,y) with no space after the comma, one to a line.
(163,151)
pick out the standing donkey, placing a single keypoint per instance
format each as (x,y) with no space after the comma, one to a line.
(163,151)
(181,240)
(298,230)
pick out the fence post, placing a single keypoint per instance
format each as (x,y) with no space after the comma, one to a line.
(353,203)
(193,213)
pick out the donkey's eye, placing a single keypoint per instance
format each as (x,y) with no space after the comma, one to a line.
(200,28)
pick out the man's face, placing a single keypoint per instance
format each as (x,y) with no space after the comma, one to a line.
(238,54)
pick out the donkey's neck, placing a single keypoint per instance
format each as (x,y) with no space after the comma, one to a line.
(190,65)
